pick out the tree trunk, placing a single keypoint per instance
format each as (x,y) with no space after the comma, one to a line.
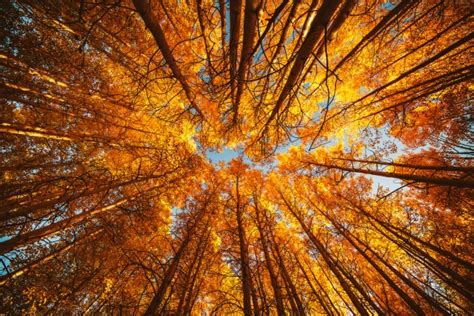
(152,23)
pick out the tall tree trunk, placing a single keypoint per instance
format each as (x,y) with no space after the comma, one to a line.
(41,261)
(297,304)
(235,27)
(333,266)
(49,230)
(268,263)
(324,15)
(152,23)
(252,8)
(244,261)
(455,182)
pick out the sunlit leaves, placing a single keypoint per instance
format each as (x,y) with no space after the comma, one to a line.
(110,203)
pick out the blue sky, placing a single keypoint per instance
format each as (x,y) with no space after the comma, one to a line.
(228,154)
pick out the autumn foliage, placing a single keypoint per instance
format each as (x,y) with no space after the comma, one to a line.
(352,189)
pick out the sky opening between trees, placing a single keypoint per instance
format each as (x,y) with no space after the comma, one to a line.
(257,157)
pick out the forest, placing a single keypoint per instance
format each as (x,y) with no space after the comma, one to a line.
(236,157)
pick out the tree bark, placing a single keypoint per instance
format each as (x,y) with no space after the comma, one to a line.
(460,183)
(152,23)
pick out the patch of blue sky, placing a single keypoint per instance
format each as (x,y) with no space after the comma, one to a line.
(258,56)
(175,212)
(26,20)
(363,90)
(5,265)
(291,37)
(388,5)
(387,183)
(385,137)
(7,258)
(227,17)
(203,75)
(226,155)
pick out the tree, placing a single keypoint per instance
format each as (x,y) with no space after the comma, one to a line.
(110,201)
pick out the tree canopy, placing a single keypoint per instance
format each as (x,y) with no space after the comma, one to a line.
(353,187)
